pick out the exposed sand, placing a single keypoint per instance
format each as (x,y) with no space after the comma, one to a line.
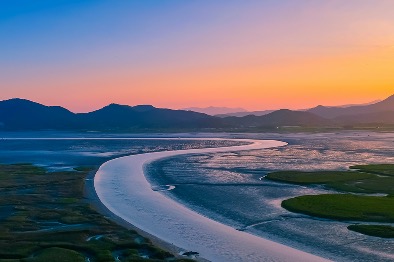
(122,187)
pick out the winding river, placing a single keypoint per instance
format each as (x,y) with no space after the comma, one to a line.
(122,187)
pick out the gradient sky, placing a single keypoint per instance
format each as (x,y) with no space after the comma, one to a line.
(253,54)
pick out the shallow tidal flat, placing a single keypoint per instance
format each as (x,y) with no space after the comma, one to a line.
(231,188)
(44,214)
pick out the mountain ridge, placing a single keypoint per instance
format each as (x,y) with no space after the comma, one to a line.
(213,110)
(282,117)
(23,114)
(333,112)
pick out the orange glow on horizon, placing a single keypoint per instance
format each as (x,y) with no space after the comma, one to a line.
(252,54)
(344,79)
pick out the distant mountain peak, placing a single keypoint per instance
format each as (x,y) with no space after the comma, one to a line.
(285,110)
(111,107)
(213,110)
(23,114)
(20,101)
(114,105)
(389,99)
(143,108)
(332,112)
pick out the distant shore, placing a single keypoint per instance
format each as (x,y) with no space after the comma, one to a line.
(123,189)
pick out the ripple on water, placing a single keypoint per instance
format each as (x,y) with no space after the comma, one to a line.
(257,209)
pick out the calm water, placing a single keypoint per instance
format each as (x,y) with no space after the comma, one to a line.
(229,187)
(58,153)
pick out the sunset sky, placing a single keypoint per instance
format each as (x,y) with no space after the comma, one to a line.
(253,54)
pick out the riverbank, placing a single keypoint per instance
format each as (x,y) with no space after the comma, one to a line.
(94,201)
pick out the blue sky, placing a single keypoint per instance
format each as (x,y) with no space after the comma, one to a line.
(227,53)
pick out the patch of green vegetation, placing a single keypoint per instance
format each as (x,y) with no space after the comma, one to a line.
(369,179)
(380,169)
(383,185)
(317,177)
(84,168)
(69,200)
(344,207)
(48,219)
(57,254)
(374,230)
(378,185)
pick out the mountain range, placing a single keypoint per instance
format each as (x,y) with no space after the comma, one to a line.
(21,114)
(240,113)
(246,113)
(360,112)
(213,110)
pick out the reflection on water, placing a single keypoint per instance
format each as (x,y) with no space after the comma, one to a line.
(228,187)
(64,154)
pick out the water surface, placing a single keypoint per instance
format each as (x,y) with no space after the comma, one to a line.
(230,188)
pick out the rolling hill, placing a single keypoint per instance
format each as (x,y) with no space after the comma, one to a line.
(21,114)
(283,117)
(246,113)
(386,105)
(212,110)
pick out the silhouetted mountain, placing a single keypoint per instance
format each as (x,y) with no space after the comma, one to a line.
(213,111)
(246,113)
(21,114)
(334,112)
(386,117)
(283,117)
(145,116)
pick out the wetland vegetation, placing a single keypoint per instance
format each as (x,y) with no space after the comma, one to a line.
(45,217)
(344,207)
(366,194)
(374,230)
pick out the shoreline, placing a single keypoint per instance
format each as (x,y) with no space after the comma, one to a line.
(92,198)
(171,225)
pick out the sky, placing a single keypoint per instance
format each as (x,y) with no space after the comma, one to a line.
(252,54)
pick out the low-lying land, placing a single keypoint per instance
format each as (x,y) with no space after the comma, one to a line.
(364,179)
(344,207)
(374,230)
(320,177)
(44,217)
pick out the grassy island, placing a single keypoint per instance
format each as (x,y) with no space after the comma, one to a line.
(367,179)
(344,207)
(374,230)
(318,177)
(380,169)
(45,217)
